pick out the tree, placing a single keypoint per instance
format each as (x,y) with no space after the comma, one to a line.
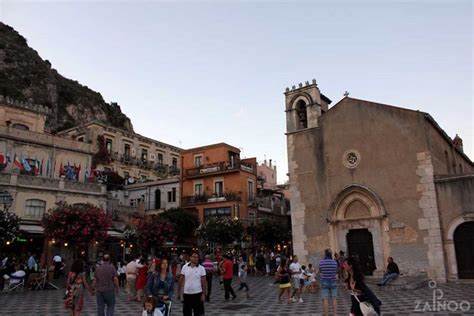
(221,230)
(153,232)
(184,222)
(9,226)
(270,232)
(102,156)
(78,224)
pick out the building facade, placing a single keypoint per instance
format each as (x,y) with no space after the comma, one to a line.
(266,175)
(38,170)
(376,181)
(132,156)
(217,182)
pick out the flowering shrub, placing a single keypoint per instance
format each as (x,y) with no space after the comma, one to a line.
(79,224)
(153,232)
(9,226)
(221,230)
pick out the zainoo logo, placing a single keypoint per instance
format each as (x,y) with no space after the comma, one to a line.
(439,304)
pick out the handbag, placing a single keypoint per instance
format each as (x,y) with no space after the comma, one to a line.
(365,307)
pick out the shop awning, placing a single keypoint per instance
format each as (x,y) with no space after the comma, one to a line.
(113,233)
(32,229)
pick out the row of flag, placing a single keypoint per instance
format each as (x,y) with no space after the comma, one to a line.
(37,167)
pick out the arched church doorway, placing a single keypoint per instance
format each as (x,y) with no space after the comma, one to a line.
(360,245)
(463,241)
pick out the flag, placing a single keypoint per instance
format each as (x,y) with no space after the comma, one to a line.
(26,165)
(61,169)
(35,167)
(2,159)
(78,172)
(86,174)
(41,167)
(17,163)
(47,168)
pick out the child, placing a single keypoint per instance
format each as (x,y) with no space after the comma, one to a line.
(149,307)
(243,279)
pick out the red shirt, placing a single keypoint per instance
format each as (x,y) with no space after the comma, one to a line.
(229,269)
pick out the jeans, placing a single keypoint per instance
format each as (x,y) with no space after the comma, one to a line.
(105,298)
(228,288)
(328,289)
(388,277)
(193,304)
(243,285)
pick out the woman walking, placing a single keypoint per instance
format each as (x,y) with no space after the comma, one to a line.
(360,292)
(76,282)
(160,284)
(141,280)
(283,275)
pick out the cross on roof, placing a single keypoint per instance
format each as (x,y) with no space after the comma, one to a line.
(346,94)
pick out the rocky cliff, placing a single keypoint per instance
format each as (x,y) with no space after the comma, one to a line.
(25,76)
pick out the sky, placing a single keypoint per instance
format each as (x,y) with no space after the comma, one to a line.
(192,73)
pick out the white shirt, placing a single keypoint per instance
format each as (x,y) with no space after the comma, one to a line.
(192,278)
(57,258)
(156,312)
(17,274)
(132,268)
(295,268)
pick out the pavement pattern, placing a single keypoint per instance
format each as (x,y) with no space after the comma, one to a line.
(455,299)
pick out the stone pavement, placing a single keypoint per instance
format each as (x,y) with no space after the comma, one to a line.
(263,301)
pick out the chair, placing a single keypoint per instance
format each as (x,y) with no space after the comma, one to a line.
(16,286)
(39,283)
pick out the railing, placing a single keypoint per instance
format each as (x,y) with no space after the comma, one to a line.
(219,167)
(50,183)
(150,165)
(214,198)
(46,139)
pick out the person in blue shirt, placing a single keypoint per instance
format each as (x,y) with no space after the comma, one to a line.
(160,284)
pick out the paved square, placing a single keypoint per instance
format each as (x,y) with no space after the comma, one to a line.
(263,301)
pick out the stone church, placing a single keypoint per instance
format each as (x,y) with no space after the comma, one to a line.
(376,180)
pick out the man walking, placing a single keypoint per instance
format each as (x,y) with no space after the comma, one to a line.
(295,271)
(209,267)
(192,284)
(228,269)
(391,274)
(328,273)
(131,272)
(58,262)
(105,285)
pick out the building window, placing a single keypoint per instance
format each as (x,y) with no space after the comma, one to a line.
(108,145)
(126,151)
(35,208)
(198,189)
(157,199)
(250,190)
(144,177)
(126,175)
(301,113)
(219,212)
(21,126)
(172,196)
(175,163)
(198,161)
(219,188)
(80,139)
(144,154)
(460,168)
(160,159)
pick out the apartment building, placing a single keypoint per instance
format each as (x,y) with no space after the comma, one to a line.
(217,182)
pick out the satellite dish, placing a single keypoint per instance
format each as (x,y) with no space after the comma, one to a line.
(131,180)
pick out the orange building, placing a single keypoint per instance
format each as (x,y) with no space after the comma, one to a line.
(216,182)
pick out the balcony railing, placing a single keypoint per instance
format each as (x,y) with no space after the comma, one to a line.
(221,166)
(214,198)
(150,165)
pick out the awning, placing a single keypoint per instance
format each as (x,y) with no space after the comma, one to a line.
(33,229)
(113,233)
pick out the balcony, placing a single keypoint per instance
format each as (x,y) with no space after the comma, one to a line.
(159,168)
(214,198)
(219,167)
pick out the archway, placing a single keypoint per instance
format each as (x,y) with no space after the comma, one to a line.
(302,115)
(449,242)
(357,218)
(463,240)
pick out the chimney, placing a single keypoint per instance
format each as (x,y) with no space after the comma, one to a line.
(457,142)
(265,162)
(270,164)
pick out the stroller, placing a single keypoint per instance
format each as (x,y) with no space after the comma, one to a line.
(164,307)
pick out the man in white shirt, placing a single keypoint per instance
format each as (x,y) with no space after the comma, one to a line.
(14,278)
(131,272)
(58,262)
(295,270)
(193,279)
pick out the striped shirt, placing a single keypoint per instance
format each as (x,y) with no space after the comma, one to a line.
(208,265)
(328,269)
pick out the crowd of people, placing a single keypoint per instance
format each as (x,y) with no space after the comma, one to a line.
(158,281)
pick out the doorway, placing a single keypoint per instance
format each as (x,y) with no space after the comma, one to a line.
(463,241)
(361,246)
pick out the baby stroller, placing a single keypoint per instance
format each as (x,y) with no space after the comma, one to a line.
(164,307)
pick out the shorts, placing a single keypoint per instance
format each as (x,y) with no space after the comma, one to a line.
(296,282)
(328,289)
(285,285)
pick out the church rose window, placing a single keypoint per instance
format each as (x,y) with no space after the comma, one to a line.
(351,158)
